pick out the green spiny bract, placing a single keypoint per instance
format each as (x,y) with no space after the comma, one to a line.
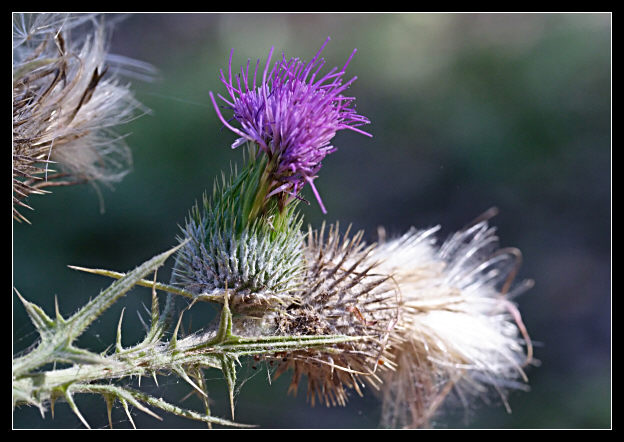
(242,243)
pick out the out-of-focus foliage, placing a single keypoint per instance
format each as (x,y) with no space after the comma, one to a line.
(468,111)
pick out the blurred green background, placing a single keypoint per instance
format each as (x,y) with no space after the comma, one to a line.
(468,111)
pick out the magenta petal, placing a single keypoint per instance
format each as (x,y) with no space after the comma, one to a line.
(292,115)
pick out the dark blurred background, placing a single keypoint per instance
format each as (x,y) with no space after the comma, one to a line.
(468,111)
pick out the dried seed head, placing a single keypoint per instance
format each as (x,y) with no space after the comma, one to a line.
(458,335)
(436,320)
(65,105)
(344,294)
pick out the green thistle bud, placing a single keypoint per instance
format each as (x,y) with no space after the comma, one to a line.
(242,242)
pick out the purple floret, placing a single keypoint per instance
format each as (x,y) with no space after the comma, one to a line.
(292,114)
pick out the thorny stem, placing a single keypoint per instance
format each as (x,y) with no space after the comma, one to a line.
(58,335)
(138,361)
(184,357)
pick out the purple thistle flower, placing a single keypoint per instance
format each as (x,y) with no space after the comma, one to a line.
(292,116)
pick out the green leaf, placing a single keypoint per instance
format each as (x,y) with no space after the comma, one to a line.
(58,335)
(140,400)
(228,367)
(42,322)
(92,310)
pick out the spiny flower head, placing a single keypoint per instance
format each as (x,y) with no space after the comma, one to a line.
(256,263)
(292,116)
(435,323)
(345,294)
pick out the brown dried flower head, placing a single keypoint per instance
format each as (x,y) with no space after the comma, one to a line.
(66,102)
(344,294)
(436,323)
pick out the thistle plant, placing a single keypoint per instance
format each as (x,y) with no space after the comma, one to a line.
(421,324)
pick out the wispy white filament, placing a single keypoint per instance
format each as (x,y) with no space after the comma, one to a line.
(73,103)
(458,335)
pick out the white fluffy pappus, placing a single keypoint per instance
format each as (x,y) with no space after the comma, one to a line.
(67,101)
(458,336)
